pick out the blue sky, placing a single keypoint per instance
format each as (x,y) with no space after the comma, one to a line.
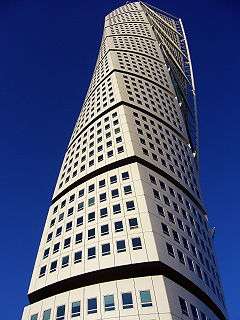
(48,52)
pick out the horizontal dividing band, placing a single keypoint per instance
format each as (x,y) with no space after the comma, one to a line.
(121,163)
(125,272)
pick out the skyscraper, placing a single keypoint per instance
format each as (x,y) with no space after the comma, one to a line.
(127,235)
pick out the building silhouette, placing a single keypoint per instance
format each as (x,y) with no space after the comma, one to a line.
(127,235)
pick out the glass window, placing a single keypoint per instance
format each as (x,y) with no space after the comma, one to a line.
(91,216)
(103,196)
(103,212)
(75,309)
(136,243)
(34,316)
(60,312)
(130,205)
(91,253)
(78,238)
(56,247)
(105,249)
(53,266)
(46,253)
(145,297)
(113,179)
(116,208)
(109,302)
(67,243)
(77,256)
(65,261)
(91,233)
(79,221)
(121,246)
(127,300)
(118,226)
(170,250)
(115,193)
(127,189)
(104,229)
(183,305)
(125,175)
(42,271)
(91,201)
(133,223)
(92,305)
(46,314)
(102,183)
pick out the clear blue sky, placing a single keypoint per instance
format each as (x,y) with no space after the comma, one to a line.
(48,51)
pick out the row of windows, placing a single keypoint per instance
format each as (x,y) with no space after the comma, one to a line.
(92,187)
(91,233)
(194,267)
(92,253)
(109,304)
(188,309)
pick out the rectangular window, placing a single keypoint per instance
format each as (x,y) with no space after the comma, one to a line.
(130,205)
(103,212)
(181,256)
(77,256)
(125,175)
(75,309)
(68,226)
(91,216)
(121,246)
(42,271)
(56,247)
(170,250)
(136,243)
(78,238)
(91,233)
(79,221)
(103,196)
(113,179)
(133,223)
(65,261)
(109,302)
(34,316)
(102,183)
(194,312)
(53,266)
(92,305)
(118,225)
(127,300)
(104,229)
(116,208)
(106,249)
(183,305)
(46,314)
(127,189)
(59,231)
(67,243)
(60,312)
(145,297)
(91,253)
(115,193)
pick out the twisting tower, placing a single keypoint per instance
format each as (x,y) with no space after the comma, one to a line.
(127,236)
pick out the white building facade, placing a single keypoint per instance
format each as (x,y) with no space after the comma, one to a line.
(126,235)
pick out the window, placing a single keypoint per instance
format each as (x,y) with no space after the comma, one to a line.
(133,223)
(190,264)
(92,305)
(70,211)
(75,309)
(194,312)
(53,266)
(115,193)
(181,256)
(34,316)
(46,314)
(103,196)
(91,253)
(127,189)
(116,208)
(170,250)
(56,247)
(145,297)
(113,179)
(106,249)
(160,210)
(77,256)
(156,194)
(203,316)
(46,253)
(60,312)
(61,216)
(91,233)
(65,261)
(127,300)
(118,226)
(136,243)
(183,305)
(102,183)
(68,226)
(103,212)
(78,238)
(91,201)
(91,216)
(109,302)
(125,175)
(67,243)
(121,246)
(80,206)
(165,229)
(42,271)
(49,237)
(130,205)
(59,231)
(79,221)
(104,229)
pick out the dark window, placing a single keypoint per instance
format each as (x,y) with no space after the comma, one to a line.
(183,305)
(170,250)
(92,305)
(77,256)
(116,208)
(118,226)
(106,249)
(133,223)
(104,229)
(42,271)
(125,175)
(75,312)
(145,297)
(136,243)
(127,300)
(103,212)
(121,246)
(53,266)
(130,205)
(109,302)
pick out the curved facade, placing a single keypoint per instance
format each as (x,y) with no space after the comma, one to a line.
(126,235)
